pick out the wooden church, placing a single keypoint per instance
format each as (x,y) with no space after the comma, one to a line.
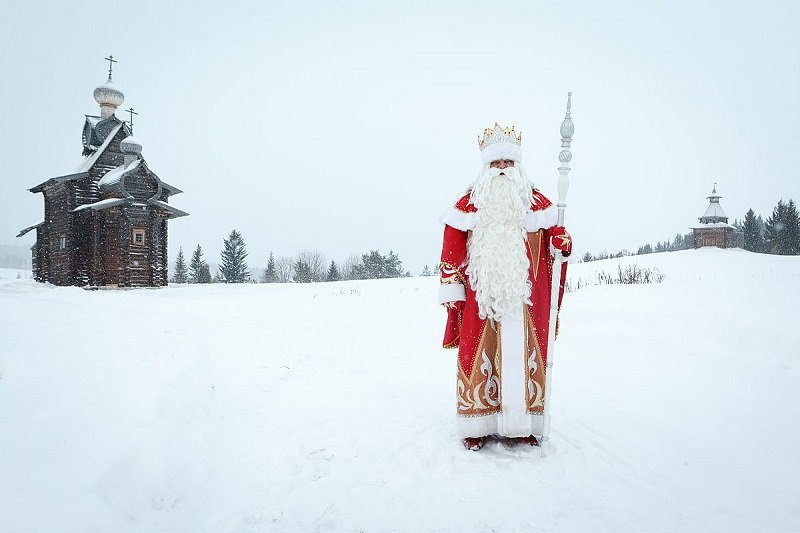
(713,229)
(105,224)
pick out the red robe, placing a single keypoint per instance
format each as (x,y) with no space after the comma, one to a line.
(489,401)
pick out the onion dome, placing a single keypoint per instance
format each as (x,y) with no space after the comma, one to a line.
(129,145)
(109,98)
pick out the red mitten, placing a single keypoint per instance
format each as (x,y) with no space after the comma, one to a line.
(561,240)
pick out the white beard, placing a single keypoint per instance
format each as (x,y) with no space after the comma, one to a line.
(497,262)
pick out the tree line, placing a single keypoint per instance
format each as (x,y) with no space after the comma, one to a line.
(306,266)
(778,235)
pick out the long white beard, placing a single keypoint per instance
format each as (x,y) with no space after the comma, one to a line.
(497,259)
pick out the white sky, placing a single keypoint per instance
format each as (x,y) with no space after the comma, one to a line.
(350,126)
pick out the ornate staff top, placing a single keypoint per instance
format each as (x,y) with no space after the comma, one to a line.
(567,130)
(564,157)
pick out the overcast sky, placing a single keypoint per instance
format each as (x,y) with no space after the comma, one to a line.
(350,126)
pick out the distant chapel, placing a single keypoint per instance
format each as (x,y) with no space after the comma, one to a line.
(105,224)
(714,229)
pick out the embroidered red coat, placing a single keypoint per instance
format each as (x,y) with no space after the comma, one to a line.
(489,401)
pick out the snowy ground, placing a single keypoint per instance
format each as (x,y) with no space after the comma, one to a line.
(328,407)
(7,274)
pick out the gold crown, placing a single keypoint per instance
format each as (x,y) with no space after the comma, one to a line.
(498,135)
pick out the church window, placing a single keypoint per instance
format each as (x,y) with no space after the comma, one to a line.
(62,243)
(138,236)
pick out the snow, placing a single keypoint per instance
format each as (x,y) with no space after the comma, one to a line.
(101,204)
(114,176)
(9,274)
(88,161)
(329,407)
(707,225)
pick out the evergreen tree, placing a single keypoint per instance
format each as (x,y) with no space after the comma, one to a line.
(677,242)
(333,272)
(204,275)
(181,273)
(198,268)
(394,267)
(375,265)
(774,235)
(234,255)
(791,230)
(270,274)
(302,272)
(762,228)
(752,233)
(426,271)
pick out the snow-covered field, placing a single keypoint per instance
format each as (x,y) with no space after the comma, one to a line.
(7,274)
(328,407)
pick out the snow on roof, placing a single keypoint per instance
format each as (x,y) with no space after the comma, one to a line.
(102,204)
(164,205)
(715,210)
(58,179)
(90,160)
(29,228)
(709,225)
(113,177)
(171,189)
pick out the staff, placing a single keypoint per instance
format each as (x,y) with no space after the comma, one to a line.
(564,157)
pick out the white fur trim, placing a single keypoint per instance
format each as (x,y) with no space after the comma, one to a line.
(546,218)
(513,421)
(452,292)
(458,219)
(479,426)
(494,152)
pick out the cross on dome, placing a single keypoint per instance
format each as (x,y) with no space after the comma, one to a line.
(111,62)
(131,112)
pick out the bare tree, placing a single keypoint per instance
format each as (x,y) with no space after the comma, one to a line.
(284,269)
(315,261)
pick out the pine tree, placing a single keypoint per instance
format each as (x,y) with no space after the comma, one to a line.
(234,255)
(333,272)
(791,229)
(677,243)
(752,233)
(302,272)
(426,271)
(181,273)
(204,275)
(270,274)
(394,267)
(774,235)
(198,268)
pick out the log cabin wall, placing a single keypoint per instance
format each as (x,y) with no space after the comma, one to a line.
(141,186)
(137,217)
(720,238)
(111,250)
(39,255)
(158,249)
(60,265)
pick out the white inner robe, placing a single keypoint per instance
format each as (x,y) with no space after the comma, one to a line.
(513,420)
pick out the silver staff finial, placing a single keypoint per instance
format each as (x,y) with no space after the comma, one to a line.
(567,130)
